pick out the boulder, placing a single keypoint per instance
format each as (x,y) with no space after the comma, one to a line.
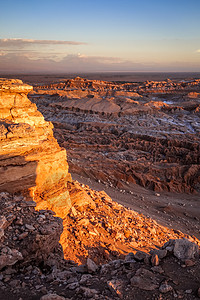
(184,249)
(144,280)
(92,267)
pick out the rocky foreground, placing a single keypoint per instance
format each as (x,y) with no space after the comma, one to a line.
(32,264)
(110,251)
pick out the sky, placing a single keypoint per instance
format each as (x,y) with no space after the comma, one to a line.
(61,36)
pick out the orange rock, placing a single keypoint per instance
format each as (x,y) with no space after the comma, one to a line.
(155,260)
(31,159)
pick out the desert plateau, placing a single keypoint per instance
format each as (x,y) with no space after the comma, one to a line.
(100,186)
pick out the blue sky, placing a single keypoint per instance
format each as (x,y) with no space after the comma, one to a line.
(105,35)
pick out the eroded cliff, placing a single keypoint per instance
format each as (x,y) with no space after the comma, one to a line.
(31,160)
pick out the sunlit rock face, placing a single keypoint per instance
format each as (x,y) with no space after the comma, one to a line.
(31,160)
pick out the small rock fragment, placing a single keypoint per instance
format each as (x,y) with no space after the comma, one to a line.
(161,253)
(89,293)
(84,278)
(10,258)
(23,235)
(1,233)
(154,260)
(30,227)
(92,267)
(189,263)
(140,256)
(165,288)
(188,291)
(73,286)
(115,286)
(129,257)
(145,280)
(52,297)
(157,269)
(2,222)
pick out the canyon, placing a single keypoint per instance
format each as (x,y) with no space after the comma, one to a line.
(121,137)
(146,134)
(127,137)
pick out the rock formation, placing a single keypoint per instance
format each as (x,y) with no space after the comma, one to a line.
(121,133)
(30,157)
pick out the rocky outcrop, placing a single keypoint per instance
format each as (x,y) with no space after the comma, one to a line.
(31,160)
(26,235)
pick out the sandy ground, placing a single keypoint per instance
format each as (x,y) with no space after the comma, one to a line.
(177,211)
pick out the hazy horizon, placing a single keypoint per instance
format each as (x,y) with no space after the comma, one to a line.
(107,36)
(42,78)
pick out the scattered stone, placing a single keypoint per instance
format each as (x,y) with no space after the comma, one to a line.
(165,288)
(140,256)
(28,204)
(1,233)
(73,286)
(184,249)
(130,257)
(80,269)
(3,222)
(115,286)
(154,260)
(10,258)
(92,267)
(29,227)
(145,280)
(157,269)
(85,278)
(161,253)
(105,269)
(189,263)
(52,297)
(89,293)
(188,291)
(23,235)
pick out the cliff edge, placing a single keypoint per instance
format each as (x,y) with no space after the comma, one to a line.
(31,160)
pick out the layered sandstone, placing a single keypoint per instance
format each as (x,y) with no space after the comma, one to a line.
(31,160)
